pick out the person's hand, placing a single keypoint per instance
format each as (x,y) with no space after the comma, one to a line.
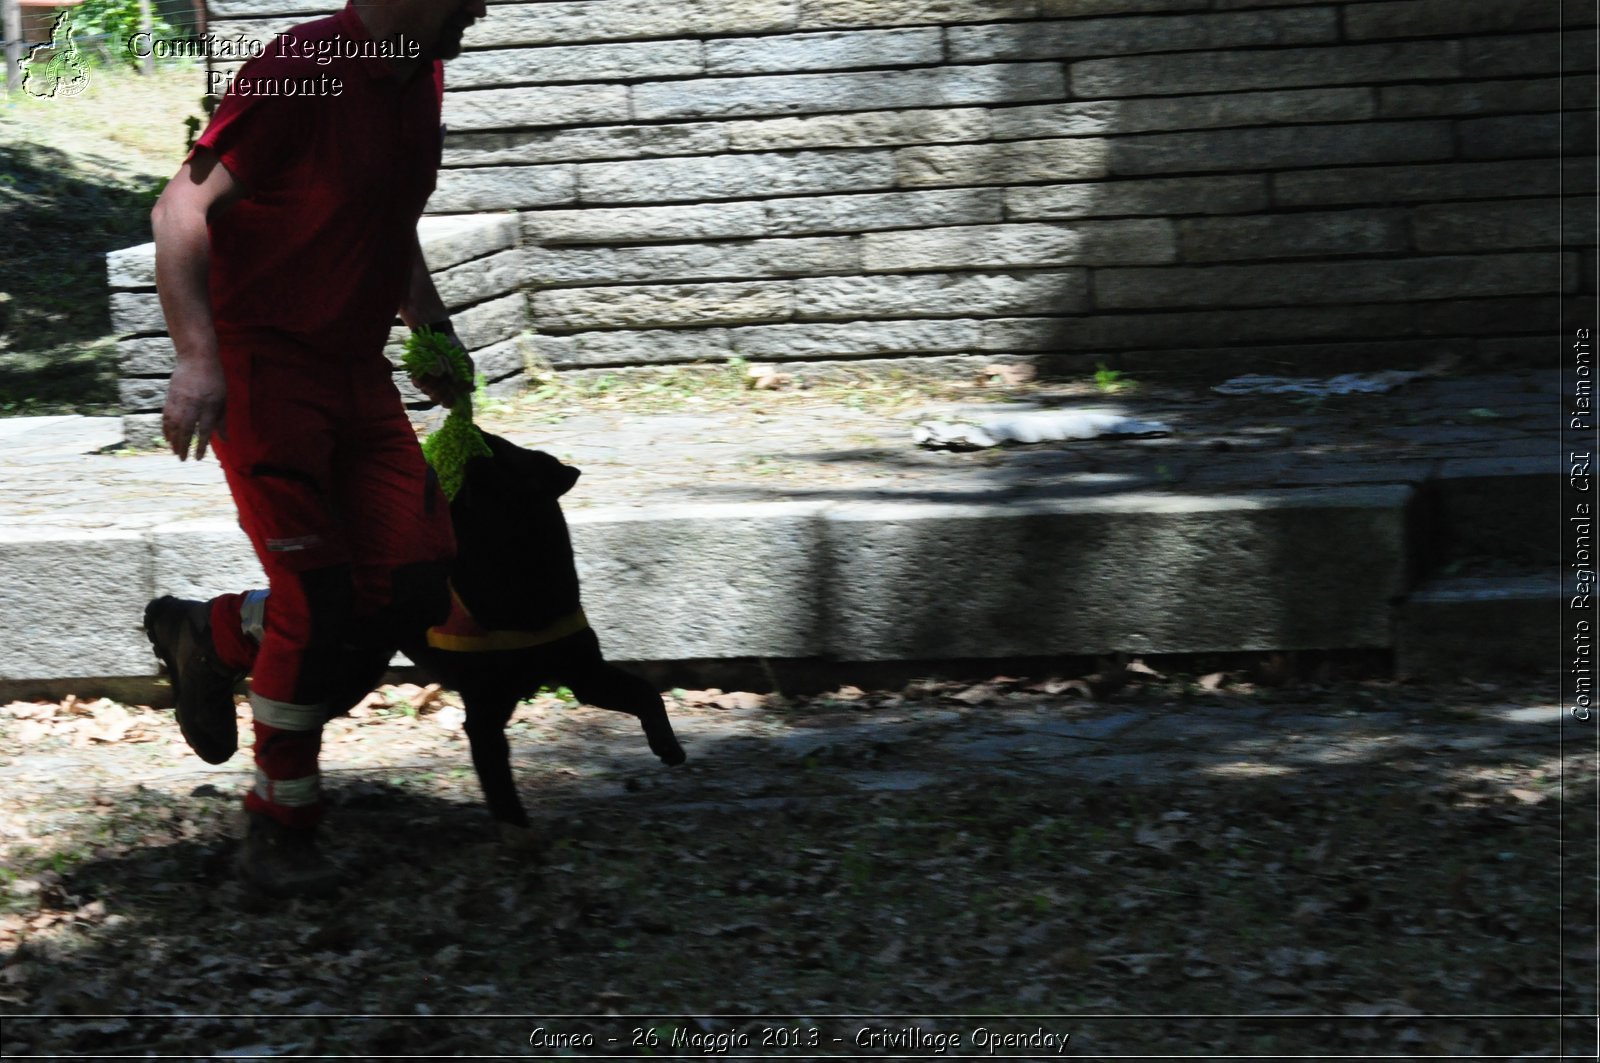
(196,396)
(443,387)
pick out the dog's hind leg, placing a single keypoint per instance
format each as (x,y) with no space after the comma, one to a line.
(607,687)
(488,712)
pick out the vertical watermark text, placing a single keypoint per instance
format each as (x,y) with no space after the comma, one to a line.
(1578,500)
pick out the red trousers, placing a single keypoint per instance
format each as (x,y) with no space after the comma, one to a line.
(352,531)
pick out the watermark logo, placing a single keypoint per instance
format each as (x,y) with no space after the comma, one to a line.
(55,69)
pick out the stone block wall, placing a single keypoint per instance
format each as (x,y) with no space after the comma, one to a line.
(474,262)
(1290,185)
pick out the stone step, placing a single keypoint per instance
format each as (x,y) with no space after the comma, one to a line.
(1455,627)
(846,581)
(1489,510)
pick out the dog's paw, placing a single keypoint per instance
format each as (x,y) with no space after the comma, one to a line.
(663,743)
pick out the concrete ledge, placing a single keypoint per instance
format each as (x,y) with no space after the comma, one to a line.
(853,582)
(1496,507)
(201,559)
(1140,573)
(704,581)
(71,604)
(1471,626)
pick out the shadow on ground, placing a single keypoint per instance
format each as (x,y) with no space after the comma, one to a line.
(1311,873)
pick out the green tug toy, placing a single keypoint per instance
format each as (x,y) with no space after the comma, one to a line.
(457,441)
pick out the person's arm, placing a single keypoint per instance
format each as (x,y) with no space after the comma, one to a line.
(424,309)
(196,392)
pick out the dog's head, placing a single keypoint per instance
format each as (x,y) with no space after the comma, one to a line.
(510,470)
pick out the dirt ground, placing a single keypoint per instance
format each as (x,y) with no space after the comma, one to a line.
(1161,865)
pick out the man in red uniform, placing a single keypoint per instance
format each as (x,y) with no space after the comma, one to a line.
(284,247)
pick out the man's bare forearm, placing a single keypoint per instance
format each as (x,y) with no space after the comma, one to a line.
(183,253)
(197,391)
(422,305)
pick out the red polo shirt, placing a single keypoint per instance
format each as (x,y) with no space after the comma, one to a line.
(337,170)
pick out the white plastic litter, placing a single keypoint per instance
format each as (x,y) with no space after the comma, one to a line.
(1344,384)
(1034,426)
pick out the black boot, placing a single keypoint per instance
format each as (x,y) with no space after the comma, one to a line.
(285,861)
(180,632)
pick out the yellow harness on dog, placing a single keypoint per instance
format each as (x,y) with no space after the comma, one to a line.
(460,633)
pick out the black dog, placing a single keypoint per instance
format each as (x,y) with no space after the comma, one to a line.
(514,573)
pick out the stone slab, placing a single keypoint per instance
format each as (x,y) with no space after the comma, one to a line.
(136,314)
(824,340)
(584,62)
(884,210)
(663,305)
(643,224)
(753,259)
(636,346)
(1061,291)
(860,129)
(548,105)
(825,51)
(481,279)
(141,430)
(1109,331)
(1225,71)
(1158,113)
(1078,243)
(1275,147)
(1353,280)
(71,603)
(1015,162)
(652,181)
(856,581)
(451,240)
(146,356)
(1505,225)
(749,97)
(1132,573)
(1427,18)
(1297,235)
(1081,38)
(1156,195)
(202,558)
(585,143)
(493,321)
(819,13)
(681,583)
(1430,183)
(580,21)
(1497,508)
(503,188)
(1459,628)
